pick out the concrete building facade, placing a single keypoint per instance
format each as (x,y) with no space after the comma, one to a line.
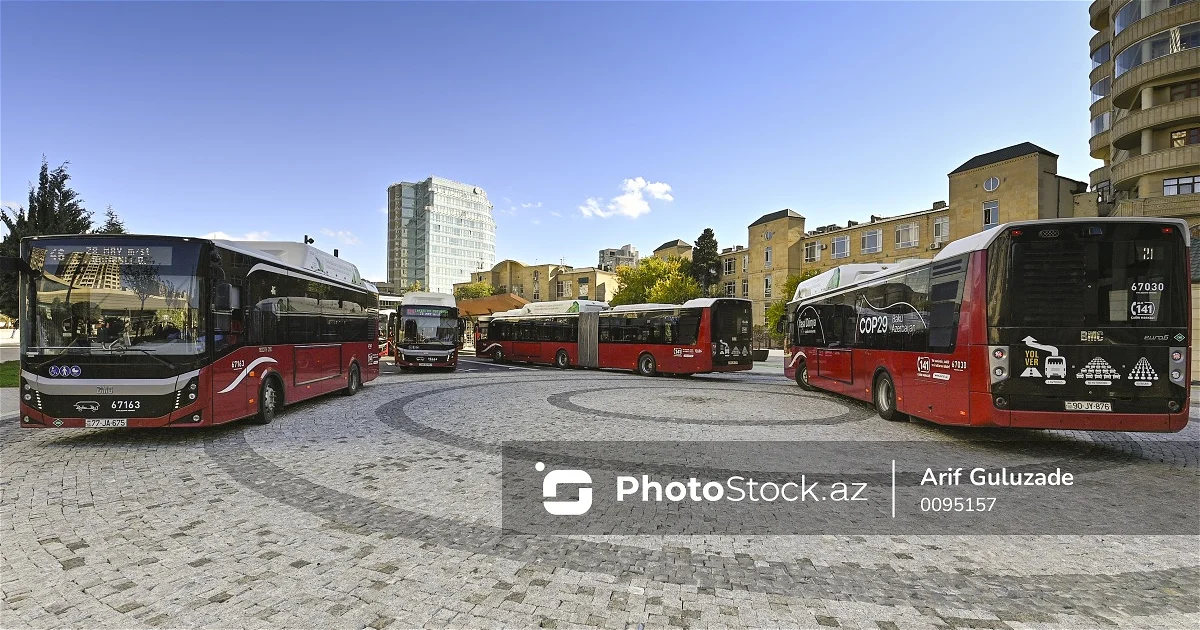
(439,232)
(1145,111)
(610,259)
(548,283)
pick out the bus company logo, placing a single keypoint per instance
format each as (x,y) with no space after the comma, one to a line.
(87,405)
(1158,337)
(554,479)
(924,365)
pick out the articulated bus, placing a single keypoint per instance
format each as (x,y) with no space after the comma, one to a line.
(428,333)
(152,331)
(702,335)
(1053,324)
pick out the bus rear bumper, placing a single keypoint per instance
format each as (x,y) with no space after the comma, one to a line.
(31,418)
(984,413)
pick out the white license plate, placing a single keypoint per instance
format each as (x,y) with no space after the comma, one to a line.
(1087,405)
(105,423)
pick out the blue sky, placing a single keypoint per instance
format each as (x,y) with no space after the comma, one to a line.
(285,119)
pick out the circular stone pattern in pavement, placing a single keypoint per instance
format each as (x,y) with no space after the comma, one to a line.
(723,405)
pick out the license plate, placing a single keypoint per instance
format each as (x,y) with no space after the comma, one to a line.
(1087,405)
(105,423)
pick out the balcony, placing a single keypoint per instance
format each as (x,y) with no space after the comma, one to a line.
(1099,39)
(1126,173)
(1099,175)
(1099,145)
(1099,72)
(1156,23)
(1126,131)
(1125,87)
(1098,13)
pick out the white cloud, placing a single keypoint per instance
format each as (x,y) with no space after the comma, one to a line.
(532,205)
(248,236)
(555,214)
(631,203)
(345,236)
(536,222)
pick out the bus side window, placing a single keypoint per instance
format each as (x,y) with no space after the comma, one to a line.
(943,315)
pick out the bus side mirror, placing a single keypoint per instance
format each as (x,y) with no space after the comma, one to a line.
(781,324)
(221,300)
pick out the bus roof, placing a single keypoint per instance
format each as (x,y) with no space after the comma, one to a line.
(301,257)
(427,298)
(982,240)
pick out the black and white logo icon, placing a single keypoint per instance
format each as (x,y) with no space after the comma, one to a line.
(1098,372)
(1143,374)
(556,478)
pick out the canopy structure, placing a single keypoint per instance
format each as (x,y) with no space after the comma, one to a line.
(491,304)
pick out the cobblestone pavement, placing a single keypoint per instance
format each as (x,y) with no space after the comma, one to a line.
(383,510)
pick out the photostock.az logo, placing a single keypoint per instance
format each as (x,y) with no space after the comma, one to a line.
(554,479)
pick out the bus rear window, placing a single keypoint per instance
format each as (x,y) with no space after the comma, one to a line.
(1076,282)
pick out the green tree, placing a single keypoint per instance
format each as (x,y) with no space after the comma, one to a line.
(53,209)
(706,261)
(415,285)
(674,289)
(777,309)
(112,223)
(634,283)
(480,289)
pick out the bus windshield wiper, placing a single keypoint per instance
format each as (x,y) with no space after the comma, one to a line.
(147,351)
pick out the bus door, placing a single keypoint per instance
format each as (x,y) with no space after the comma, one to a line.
(231,382)
(836,360)
(589,332)
(942,389)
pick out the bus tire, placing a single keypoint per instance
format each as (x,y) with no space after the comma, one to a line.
(646,366)
(498,355)
(270,400)
(561,360)
(353,382)
(802,378)
(884,396)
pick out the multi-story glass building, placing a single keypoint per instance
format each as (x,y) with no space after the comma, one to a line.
(439,232)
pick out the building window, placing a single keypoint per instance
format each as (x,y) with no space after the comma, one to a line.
(812,251)
(1184,137)
(583,287)
(1181,185)
(730,265)
(767,257)
(1101,88)
(841,247)
(1161,44)
(907,235)
(770,234)
(745,288)
(1103,191)
(745,263)
(1101,56)
(1190,89)
(536,275)
(991,213)
(729,289)
(767,286)
(563,288)
(1101,123)
(941,229)
(872,241)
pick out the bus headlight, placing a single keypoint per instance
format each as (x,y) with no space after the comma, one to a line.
(999,372)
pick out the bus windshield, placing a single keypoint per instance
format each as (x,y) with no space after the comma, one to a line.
(100,295)
(428,324)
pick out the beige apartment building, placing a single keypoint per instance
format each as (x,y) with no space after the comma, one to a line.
(677,247)
(1016,183)
(547,283)
(1145,109)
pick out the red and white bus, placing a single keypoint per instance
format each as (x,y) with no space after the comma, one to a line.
(428,332)
(153,331)
(1054,324)
(702,335)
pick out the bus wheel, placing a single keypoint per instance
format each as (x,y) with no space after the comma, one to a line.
(802,378)
(354,383)
(885,399)
(498,356)
(561,360)
(270,399)
(646,365)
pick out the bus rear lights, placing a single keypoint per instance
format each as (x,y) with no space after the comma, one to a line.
(1001,402)
(1016,232)
(1176,375)
(999,372)
(1177,356)
(1168,230)
(999,353)
(1173,406)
